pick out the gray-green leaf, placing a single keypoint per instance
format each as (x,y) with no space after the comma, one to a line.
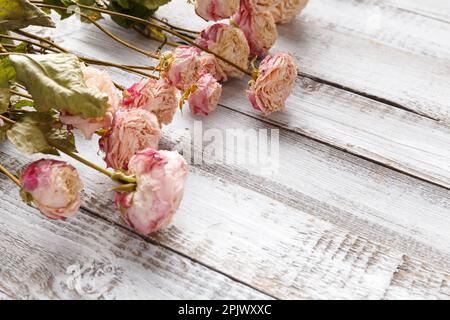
(55,81)
(28,138)
(18,14)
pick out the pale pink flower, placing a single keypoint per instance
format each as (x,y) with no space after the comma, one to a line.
(274,84)
(101,81)
(182,67)
(284,11)
(213,10)
(132,130)
(206,95)
(230,43)
(258,26)
(161,178)
(210,64)
(156,96)
(54,187)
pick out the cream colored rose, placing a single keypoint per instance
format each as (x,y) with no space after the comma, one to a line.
(274,84)
(156,96)
(132,131)
(259,28)
(286,10)
(228,42)
(213,10)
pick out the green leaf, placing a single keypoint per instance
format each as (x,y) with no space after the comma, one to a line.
(55,81)
(18,14)
(6,73)
(29,138)
(138,8)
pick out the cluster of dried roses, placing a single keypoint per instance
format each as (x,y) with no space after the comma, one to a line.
(152,183)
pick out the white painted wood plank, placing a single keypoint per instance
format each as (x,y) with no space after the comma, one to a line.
(88,258)
(327,225)
(369,47)
(438,9)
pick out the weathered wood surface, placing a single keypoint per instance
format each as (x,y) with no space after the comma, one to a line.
(329,223)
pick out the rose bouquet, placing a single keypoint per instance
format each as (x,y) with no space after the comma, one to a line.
(46,93)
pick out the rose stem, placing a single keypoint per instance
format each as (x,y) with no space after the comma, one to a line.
(161,28)
(175,27)
(88,60)
(77,157)
(7,173)
(17,93)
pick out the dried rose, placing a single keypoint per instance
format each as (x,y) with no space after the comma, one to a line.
(182,67)
(259,28)
(285,11)
(156,96)
(274,83)
(228,42)
(54,187)
(213,10)
(161,178)
(210,64)
(132,130)
(204,99)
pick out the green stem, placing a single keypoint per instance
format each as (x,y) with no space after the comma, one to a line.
(7,173)
(154,25)
(115,176)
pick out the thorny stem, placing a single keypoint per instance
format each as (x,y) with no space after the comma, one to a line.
(7,173)
(175,27)
(154,25)
(118,177)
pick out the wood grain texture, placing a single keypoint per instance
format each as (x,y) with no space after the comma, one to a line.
(327,224)
(88,258)
(368,47)
(325,215)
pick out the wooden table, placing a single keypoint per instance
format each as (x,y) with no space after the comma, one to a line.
(360,205)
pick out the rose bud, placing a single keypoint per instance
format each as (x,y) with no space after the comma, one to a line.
(156,96)
(228,42)
(181,67)
(53,186)
(132,130)
(285,11)
(210,64)
(205,97)
(259,28)
(101,81)
(274,84)
(213,10)
(161,177)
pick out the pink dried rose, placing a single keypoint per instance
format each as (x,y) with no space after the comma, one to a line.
(161,178)
(284,11)
(101,81)
(206,95)
(132,130)
(156,96)
(258,26)
(228,42)
(181,67)
(210,64)
(54,187)
(274,84)
(213,10)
